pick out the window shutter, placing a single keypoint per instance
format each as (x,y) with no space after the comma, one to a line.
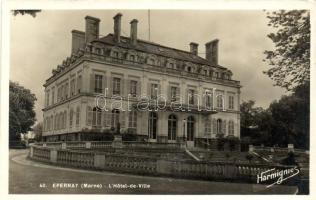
(89,116)
(186,98)
(148,90)
(178,94)
(169,94)
(65,119)
(214,126)
(92,83)
(103,84)
(159,89)
(110,86)
(123,88)
(138,88)
(104,118)
(122,119)
(224,127)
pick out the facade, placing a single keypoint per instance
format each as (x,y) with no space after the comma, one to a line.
(142,89)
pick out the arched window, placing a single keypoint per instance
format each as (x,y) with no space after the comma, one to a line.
(115,118)
(132,119)
(219,126)
(152,125)
(172,127)
(77,116)
(71,113)
(190,128)
(96,116)
(231,127)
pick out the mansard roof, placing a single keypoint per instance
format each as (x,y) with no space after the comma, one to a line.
(157,49)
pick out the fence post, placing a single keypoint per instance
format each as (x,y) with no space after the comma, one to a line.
(290,147)
(63,145)
(53,155)
(251,148)
(88,145)
(99,161)
(31,151)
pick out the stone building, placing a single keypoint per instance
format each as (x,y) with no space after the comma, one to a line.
(146,91)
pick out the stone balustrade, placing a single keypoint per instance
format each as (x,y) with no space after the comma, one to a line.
(148,164)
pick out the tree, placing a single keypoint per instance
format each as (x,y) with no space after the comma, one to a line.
(38,131)
(29,12)
(291,118)
(21,110)
(290,60)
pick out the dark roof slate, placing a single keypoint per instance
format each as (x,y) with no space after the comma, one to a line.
(154,48)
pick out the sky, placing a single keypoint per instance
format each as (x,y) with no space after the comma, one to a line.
(38,45)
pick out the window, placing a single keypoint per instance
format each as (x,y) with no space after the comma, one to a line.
(96,117)
(151,61)
(205,72)
(172,127)
(98,83)
(152,125)
(189,69)
(79,83)
(72,87)
(65,120)
(154,90)
(66,90)
(219,126)
(208,99)
(231,127)
(115,54)
(55,122)
(173,91)
(89,116)
(77,116)
(132,58)
(71,117)
(190,128)
(47,98)
(191,96)
(133,88)
(115,120)
(132,119)
(116,86)
(219,99)
(231,102)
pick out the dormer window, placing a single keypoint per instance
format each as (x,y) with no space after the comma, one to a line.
(132,58)
(115,54)
(97,50)
(151,61)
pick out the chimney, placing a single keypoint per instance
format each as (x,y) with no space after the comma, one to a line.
(78,41)
(92,28)
(212,51)
(194,48)
(117,27)
(134,31)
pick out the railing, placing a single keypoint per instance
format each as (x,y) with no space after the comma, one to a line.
(150,164)
(76,159)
